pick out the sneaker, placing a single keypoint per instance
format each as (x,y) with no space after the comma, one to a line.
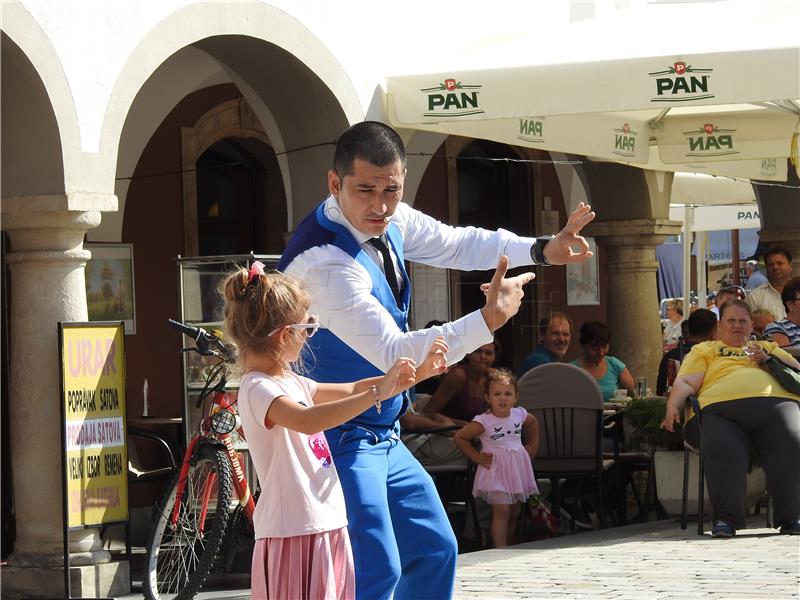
(722,530)
(791,528)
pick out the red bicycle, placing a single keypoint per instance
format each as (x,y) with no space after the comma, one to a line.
(206,516)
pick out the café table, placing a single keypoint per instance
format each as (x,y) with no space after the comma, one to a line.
(627,462)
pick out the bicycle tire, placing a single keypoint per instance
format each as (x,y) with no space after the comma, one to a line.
(179,561)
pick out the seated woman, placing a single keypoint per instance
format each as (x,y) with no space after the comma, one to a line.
(461,396)
(610,372)
(742,404)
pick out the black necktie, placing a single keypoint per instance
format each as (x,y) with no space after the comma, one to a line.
(388,266)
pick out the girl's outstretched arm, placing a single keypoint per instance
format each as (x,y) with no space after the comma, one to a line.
(312,419)
(434,364)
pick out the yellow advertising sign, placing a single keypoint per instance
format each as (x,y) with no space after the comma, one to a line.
(93,384)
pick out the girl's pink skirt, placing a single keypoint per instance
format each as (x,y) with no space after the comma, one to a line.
(318,566)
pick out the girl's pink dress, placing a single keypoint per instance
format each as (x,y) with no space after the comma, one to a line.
(510,478)
(314,566)
(302,549)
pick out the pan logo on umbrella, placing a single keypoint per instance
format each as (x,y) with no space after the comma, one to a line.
(682,83)
(531,130)
(710,140)
(625,141)
(452,98)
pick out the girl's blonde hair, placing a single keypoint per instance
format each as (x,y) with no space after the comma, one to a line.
(255,306)
(501,375)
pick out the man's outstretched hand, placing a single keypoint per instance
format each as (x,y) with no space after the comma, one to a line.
(503,296)
(567,246)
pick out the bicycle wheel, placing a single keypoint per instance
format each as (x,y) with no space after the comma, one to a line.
(180,558)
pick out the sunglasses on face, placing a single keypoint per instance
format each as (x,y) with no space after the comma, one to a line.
(310,327)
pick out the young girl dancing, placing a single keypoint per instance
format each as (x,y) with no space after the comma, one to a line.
(505,476)
(302,548)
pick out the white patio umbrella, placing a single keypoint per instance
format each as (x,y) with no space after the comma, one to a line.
(732,113)
(711,87)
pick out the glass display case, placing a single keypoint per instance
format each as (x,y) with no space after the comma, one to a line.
(199,280)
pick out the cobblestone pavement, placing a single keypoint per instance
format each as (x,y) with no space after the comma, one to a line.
(651,560)
(654,560)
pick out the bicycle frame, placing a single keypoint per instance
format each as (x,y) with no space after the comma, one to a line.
(240,483)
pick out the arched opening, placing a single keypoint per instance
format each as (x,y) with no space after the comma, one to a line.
(495,190)
(32,174)
(240,201)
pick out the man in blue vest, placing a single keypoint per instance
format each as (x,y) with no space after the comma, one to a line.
(350,252)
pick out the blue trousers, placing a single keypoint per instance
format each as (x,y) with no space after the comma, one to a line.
(402,541)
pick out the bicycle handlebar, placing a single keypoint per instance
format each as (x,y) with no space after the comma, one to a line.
(206,344)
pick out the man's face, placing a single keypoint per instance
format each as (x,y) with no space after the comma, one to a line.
(778,268)
(557,337)
(369,196)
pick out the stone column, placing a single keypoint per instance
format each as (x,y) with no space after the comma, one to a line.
(46,260)
(632,302)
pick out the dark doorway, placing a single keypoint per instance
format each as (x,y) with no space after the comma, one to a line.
(241,205)
(495,191)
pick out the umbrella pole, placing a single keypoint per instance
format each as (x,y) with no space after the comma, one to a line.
(688,225)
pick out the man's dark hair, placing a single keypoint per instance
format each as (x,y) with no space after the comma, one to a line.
(370,141)
(791,291)
(777,250)
(544,322)
(701,324)
(595,333)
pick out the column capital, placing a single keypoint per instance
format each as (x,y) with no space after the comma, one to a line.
(632,232)
(72,201)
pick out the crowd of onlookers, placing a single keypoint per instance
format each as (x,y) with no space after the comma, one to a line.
(771,310)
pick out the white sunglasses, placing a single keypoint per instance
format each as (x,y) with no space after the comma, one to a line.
(310,327)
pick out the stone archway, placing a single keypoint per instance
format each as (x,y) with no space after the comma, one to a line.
(45,224)
(232,119)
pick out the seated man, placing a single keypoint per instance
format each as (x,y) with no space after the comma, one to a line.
(555,332)
(701,327)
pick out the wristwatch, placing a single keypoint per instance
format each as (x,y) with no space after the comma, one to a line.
(537,250)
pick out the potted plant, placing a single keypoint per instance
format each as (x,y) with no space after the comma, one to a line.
(644,417)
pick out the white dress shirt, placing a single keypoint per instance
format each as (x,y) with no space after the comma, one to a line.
(769,298)
(340,288)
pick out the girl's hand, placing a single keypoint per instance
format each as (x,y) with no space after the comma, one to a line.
(485,460)
(401,376)
(436,361)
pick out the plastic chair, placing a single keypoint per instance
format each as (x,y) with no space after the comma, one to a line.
(689,449)
(569,406)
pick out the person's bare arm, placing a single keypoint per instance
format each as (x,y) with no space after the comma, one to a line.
(627,381)
(463,440)
(531,430)
(684,386)
(312,419)
(451,385)
(435,363)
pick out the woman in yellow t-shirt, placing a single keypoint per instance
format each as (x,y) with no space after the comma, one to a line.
(743,405)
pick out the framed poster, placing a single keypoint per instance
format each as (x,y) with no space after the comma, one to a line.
(109,284)
(582,280)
